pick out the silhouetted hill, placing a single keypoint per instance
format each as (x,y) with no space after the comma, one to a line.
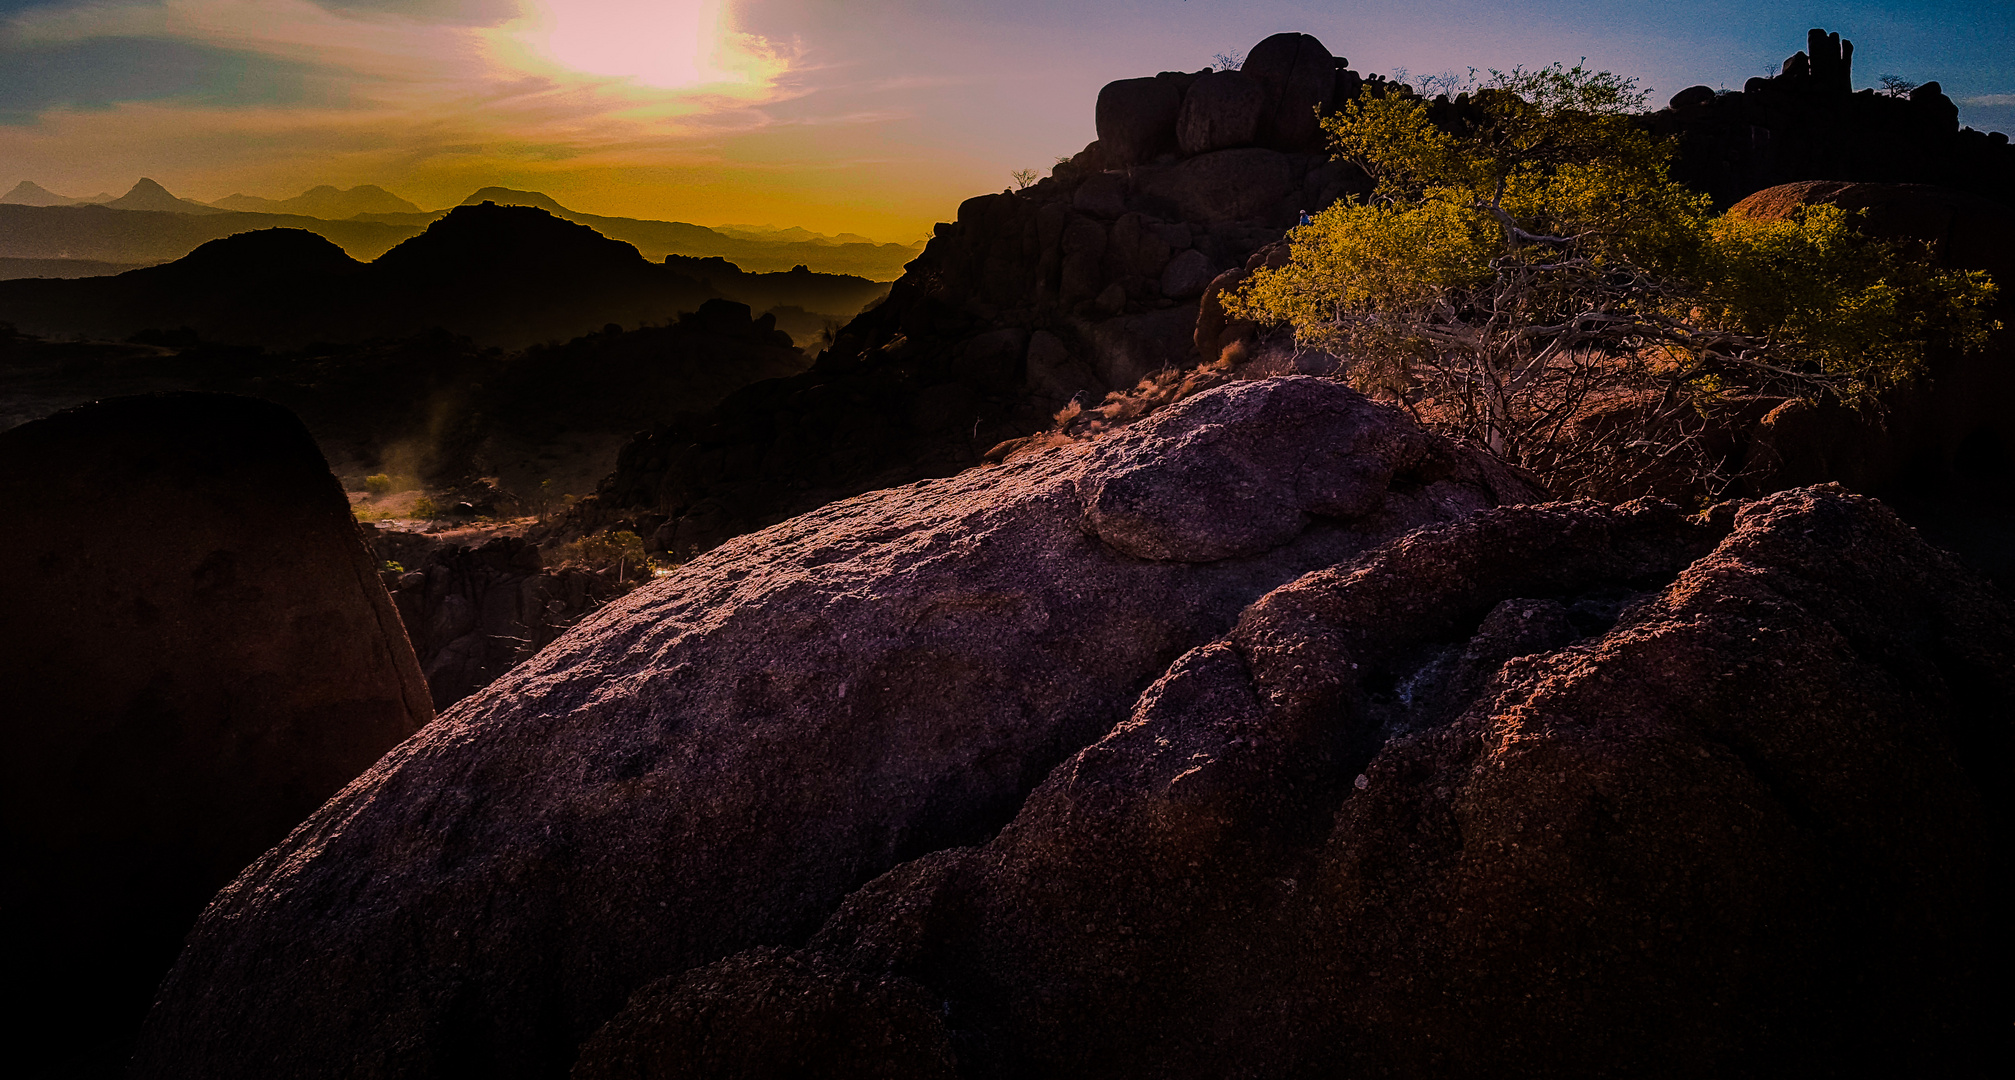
(513,197)
(505,276)
(843,295)
(267,286)
(325,201)
(657,239)
(29,193)
(511,242)
(10,269)
(502,275)
(148,195)
(148,236)
(39,224)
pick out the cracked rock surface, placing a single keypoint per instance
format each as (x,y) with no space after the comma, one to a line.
(714,762)
(1558,790)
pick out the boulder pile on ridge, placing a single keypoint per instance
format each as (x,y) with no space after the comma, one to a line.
(1112,268)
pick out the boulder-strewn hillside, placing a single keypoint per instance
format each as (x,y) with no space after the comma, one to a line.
(715,761)
(1808,123)
(197,652)
(1108,270)
(1560,790)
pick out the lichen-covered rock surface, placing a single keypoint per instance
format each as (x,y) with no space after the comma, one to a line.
(714,762)
(1560,790)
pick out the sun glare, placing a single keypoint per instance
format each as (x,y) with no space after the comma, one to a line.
(667,44)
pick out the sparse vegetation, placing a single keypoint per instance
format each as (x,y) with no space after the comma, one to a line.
(425,508)
(621,551)
(1527,261)
(1231,61)
(1895,86)
(1024,178)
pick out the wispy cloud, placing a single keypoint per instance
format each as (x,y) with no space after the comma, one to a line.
(1988,99)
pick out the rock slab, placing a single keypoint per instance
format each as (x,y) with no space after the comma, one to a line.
(1561,790)
(713,762)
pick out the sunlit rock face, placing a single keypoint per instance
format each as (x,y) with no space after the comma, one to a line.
(1559,790)
(713,762)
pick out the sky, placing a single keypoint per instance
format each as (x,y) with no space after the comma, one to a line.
(870,116)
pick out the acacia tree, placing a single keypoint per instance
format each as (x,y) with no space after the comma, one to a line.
(1526,260)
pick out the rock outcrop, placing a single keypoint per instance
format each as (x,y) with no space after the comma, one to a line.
(1561,790)
(1807,123)
(197,653)
(1085,282)
(713,762)
(1300,79)
(1074,287)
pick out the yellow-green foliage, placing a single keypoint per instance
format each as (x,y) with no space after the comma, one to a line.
(1532,224)
(1855,307)
(424,507)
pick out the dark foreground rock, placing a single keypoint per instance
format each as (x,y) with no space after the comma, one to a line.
(197,652)
(1557,791)
(713,762)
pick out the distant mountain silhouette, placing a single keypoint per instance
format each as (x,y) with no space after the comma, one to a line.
(148,195)
(62,268)
(29,193)
(657,239)
(152,236)
(772,234)
(502,275)
(326,202)
(36,223)
(506,276)
(511,197)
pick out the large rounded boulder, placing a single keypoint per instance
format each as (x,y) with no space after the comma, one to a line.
(198,652)
(1136,120)
(714,762)
(1560,790)
(1299,77)
(1222,110)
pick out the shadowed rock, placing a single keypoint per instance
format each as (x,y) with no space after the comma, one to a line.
(1560,790)
(1136,120)
(1299,77)
(1222,110)
(713,762)
(197,653)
